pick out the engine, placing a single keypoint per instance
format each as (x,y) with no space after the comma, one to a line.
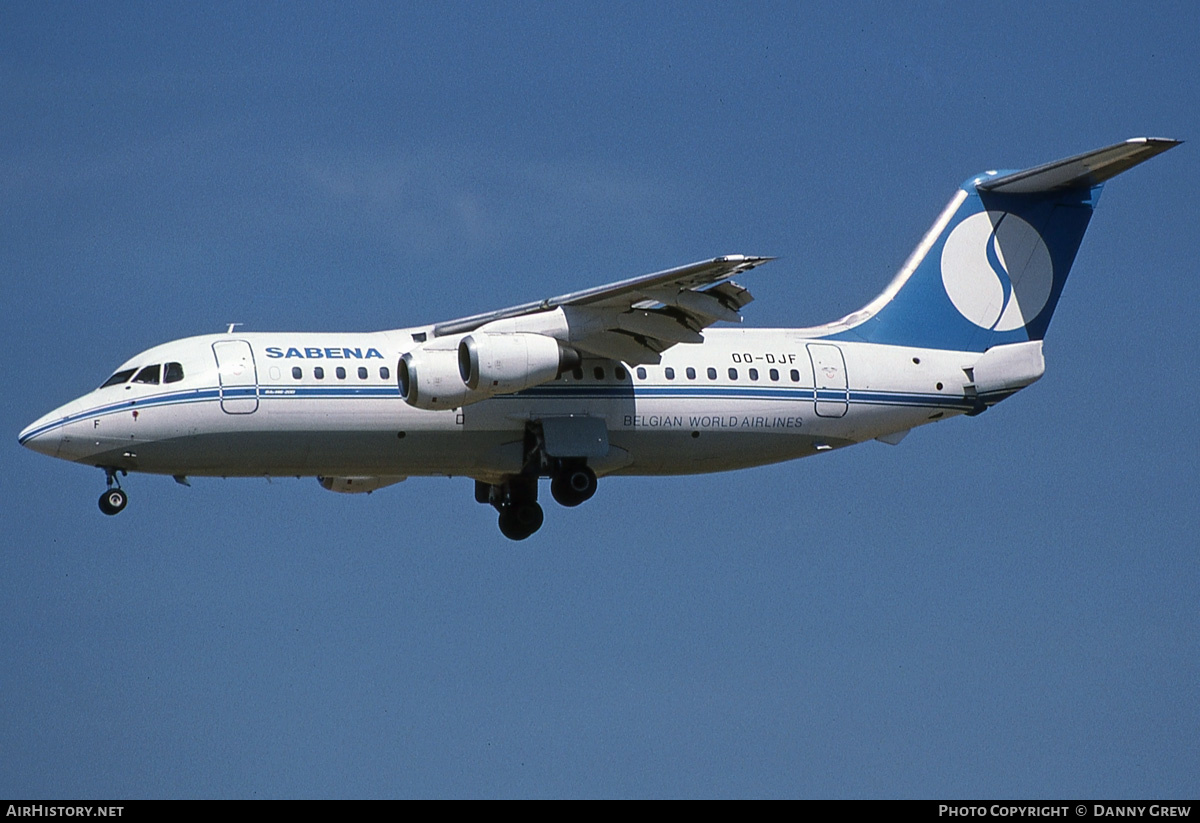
(506,363)
(482,366)
(429,380)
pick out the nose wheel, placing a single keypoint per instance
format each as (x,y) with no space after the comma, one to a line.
(114,498)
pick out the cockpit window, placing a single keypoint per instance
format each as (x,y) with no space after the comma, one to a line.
(148,375)
(173,373)
(118,378)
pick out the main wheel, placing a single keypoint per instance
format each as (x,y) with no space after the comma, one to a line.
(573,486)
(519,521)
(113,500)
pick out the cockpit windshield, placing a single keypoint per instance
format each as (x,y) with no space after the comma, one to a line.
(169,373)
(148,375)
(118,378)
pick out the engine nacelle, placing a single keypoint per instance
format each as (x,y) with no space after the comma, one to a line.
(504,363)
(357,485)
(430,380)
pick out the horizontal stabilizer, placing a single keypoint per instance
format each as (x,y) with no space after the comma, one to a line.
(1088,169)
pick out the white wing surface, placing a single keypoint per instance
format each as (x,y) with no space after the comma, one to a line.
(632,320)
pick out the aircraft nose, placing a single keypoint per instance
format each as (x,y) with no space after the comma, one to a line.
(43,435)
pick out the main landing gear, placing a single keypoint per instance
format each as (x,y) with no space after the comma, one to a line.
(571,482)
(516,501)
(114,498)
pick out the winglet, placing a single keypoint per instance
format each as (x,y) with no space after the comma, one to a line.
(1088,169)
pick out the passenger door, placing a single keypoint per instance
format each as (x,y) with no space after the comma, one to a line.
(831,390)
(237,375)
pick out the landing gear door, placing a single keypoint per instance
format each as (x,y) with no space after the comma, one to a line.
(831,390)
(575,436)
(237,375)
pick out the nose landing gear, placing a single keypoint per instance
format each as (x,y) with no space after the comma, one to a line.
(114,498)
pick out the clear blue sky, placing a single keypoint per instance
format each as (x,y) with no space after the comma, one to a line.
(1001,606)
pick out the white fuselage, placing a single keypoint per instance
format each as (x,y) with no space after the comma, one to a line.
(259,404)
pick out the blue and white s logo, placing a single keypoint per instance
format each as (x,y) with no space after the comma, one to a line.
(997,270)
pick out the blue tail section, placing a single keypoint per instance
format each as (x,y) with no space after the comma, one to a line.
(993,266)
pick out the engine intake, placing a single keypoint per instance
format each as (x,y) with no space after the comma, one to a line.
(429,380)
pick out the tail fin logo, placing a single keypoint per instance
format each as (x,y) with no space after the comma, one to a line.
(997,270)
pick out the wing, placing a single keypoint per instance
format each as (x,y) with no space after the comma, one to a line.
(635,320)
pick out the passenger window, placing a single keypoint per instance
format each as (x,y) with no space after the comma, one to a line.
(148,375)
(733,374)
(795,375)
(296,373)
(173,373)
(341,373)
(362,372)
(118,378)
(754,374)
(669,372)
(641,373)
(620,372)
(712,373)
(691,373)
(774,374)
(318,372)
(384,374)
(599,372)
(577,373)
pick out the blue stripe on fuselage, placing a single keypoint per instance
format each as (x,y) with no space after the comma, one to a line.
(799,394)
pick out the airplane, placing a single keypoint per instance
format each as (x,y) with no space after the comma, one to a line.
(630,378)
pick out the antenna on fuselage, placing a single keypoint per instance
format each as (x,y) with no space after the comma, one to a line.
(232,326)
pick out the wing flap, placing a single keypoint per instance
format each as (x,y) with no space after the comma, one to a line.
(709,308)
(651,323)
(618,345)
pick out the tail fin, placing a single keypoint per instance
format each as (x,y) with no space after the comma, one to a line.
(991,269)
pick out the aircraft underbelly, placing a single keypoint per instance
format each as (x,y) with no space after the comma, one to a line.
(250,454)
(678,452)
(304,453)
